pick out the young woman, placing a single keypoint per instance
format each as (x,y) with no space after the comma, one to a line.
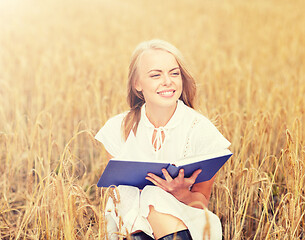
(162,125)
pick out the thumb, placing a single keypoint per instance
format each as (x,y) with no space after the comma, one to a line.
(195,174)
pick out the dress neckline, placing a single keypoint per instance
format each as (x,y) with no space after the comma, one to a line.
(173,121)
(158,143)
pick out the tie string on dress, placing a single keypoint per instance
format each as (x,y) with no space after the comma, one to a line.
(158,139)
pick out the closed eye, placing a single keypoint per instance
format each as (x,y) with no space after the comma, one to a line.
(155,75)
(176,73)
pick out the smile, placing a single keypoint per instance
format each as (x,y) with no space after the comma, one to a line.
(167,93)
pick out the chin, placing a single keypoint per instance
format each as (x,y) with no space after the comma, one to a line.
(168,103)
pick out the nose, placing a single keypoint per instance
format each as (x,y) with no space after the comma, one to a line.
(167,80)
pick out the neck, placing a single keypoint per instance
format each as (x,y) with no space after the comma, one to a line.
(159,116)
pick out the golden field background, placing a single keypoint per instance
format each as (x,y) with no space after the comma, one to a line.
(63,72)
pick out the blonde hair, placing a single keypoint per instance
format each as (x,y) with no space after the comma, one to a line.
(135,98)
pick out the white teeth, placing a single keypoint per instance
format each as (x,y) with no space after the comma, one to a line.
(166,93)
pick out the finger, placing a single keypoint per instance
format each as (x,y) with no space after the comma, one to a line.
(155,183)
(195,174)
(181,174)
(166,175)
(156,178)
(152,180)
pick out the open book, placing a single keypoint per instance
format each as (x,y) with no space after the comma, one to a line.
(133,173)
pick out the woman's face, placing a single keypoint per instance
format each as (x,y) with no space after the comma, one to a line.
(159,79)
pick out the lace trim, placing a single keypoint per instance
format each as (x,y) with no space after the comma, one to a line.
(187,147)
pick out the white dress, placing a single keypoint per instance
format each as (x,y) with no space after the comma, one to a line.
(188,133)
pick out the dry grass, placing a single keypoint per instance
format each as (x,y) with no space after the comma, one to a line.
(63,65)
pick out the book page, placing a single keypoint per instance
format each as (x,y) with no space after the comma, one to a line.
(137,160)
(200,158)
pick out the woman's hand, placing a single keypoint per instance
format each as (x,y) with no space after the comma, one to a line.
(179,186)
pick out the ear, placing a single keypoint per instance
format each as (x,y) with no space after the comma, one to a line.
(137,86)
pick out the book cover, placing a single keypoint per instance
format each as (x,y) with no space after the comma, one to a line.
(133,173)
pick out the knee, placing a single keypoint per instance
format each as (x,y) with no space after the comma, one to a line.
(150,188)
(150,196)
(151,193)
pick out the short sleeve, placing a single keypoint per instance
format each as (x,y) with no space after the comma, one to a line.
(206,138)
(110,135)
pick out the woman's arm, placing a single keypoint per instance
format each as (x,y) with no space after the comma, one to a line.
(200,192)
(179,187)
(108,156)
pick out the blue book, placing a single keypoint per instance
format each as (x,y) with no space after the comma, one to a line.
(133,173)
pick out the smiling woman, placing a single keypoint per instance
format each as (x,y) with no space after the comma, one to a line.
(136,98)
(160,82)
(162,125)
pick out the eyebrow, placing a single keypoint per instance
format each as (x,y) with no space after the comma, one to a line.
(158,70)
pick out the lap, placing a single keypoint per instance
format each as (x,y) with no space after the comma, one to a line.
(134,210)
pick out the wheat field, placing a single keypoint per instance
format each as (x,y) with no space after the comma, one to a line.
(63,73)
